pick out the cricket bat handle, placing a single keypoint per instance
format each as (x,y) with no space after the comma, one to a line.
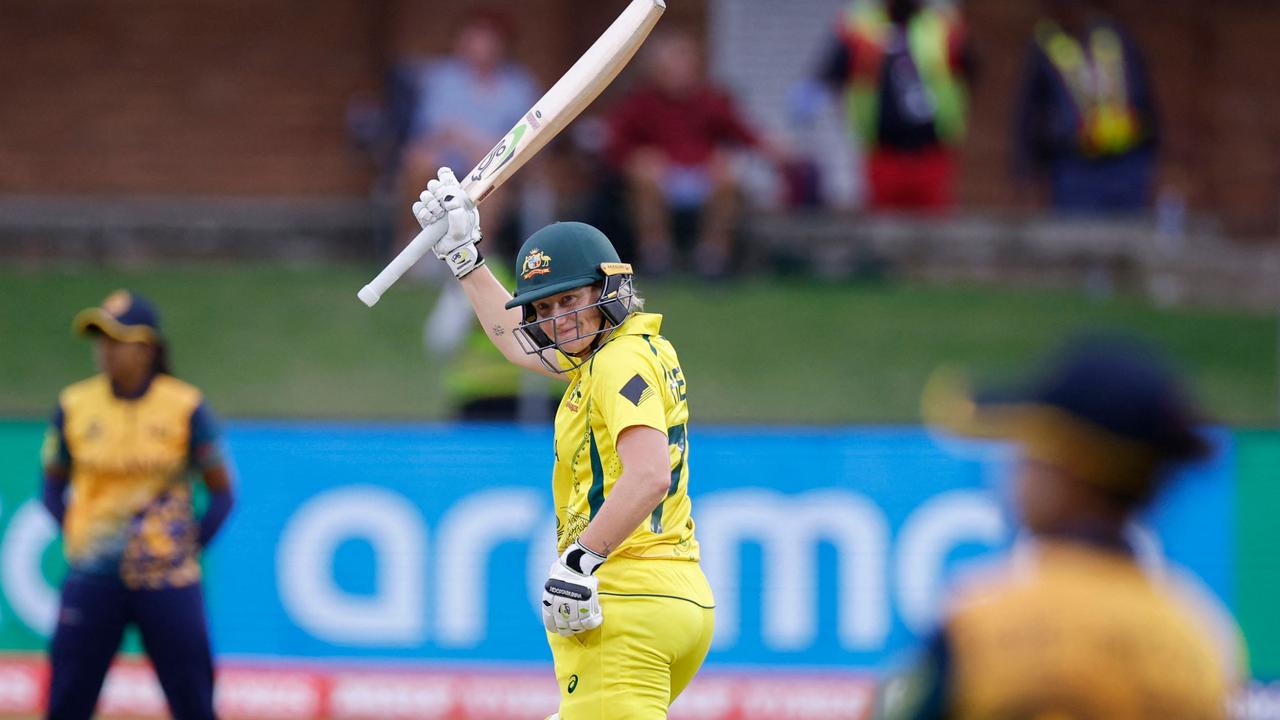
(420,245)
(417,248)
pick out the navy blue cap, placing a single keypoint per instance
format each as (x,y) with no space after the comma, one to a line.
(1120,386)
(123,316)
(1106,409)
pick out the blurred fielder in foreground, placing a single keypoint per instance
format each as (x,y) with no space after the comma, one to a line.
(1074,627)
(628,612)
(122,443)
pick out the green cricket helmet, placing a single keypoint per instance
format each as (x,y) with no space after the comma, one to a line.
(558,258)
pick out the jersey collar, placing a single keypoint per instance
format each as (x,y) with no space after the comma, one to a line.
(137,393)
(637,323)
(640,323)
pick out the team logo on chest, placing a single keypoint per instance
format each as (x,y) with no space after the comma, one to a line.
(535,263)
(574,402)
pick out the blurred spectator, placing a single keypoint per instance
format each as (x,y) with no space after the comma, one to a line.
(116,463)
(1074,627)
(465,103)
(1086,117)
(669,138)
(903,69)
(462,106)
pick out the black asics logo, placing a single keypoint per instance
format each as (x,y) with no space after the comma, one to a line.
(573,684)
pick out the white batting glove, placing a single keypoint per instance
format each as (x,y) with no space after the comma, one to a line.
(570,597)
(457,248)
(430,214)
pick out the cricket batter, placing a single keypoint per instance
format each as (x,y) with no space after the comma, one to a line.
(116,463)
(628,612)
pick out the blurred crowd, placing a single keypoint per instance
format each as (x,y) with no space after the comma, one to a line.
(659,163)
(667,162)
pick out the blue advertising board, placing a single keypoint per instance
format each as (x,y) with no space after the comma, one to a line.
(826,547)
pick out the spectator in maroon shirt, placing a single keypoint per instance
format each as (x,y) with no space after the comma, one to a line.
(669,139)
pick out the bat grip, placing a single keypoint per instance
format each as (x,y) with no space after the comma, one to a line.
(420,245)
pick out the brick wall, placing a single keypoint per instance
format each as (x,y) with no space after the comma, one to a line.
(195,97)
(249,97)
(223,97)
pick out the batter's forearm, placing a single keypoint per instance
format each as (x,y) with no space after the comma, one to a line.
(632,499)
(489,298)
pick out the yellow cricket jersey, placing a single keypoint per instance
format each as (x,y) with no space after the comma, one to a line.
(1081,632)
(130,507)
(634,380)
(658,608)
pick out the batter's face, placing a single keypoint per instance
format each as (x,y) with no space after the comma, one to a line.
(569,320)
(123,362)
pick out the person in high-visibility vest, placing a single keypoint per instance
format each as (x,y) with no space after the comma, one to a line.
(1086,119)
(903,67)
(479,383)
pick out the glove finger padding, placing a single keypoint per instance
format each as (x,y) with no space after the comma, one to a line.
(564,611)
(580,623)
(462,225)
(457,248)
(446,176)
(549,616)
(555,614)
(464,218)
(427,210)
(595,617)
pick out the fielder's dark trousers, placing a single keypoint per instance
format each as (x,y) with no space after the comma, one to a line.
(1108,186)
(91,622)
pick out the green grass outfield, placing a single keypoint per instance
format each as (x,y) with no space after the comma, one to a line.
(274,342)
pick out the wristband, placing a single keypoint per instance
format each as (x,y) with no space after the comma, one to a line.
(464,259)
(581,560)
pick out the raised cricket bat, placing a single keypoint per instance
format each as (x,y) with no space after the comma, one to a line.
(588,77)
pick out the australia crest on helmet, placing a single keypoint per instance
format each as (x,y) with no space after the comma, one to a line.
(535,263)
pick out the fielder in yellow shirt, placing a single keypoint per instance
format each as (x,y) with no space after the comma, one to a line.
(120,460)
(1072,625)
(628,612)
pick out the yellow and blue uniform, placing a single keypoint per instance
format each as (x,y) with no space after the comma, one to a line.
(131,538)
(1073,626)
(129,459)
(1071,630)
(658,607)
